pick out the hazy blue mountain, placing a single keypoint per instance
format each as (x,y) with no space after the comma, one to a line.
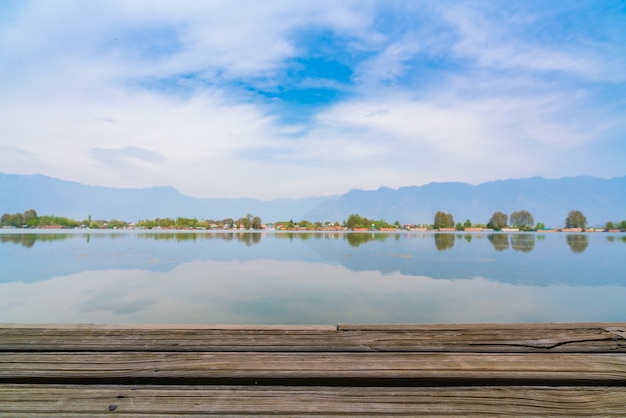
(50,196)
(548,200)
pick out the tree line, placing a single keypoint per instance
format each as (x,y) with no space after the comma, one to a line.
(521,220)
(30,219)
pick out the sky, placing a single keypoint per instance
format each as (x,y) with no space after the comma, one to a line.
(291,99)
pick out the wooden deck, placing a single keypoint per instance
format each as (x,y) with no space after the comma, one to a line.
(391,370)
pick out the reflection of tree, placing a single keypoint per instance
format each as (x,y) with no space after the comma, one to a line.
(499,241)
(577,243)
(168,236)
(356,239)
(28,240)
(249,238)
(523,242)
(307,235)
(444,241)
(468,237)
(246,237)
(287,235)
(15,239)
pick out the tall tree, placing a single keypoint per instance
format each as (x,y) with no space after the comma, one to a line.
(522,219)
(575,219)
(498,220)
(354,221)
(443,220)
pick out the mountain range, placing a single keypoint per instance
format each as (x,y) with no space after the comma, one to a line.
(548,200)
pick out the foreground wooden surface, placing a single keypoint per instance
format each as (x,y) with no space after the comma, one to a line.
(453,370)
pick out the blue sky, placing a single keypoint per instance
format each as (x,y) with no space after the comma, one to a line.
(287,99)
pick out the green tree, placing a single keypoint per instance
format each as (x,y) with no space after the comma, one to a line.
(115,223)
(575,219)
(610,225)
(30,217)
(522,219)
(498,221)
(304,224)
(443,220)
(353,221)
(357,221)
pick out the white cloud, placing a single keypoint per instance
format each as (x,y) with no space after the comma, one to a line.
(505,39)
(137,94)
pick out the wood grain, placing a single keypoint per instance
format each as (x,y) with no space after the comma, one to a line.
(574,338)
(345,370)
(174,401)
(326,368)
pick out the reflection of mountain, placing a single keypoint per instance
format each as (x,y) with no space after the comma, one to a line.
(48,196)
(34,257)
(510,258)
(534,259)
(548,200)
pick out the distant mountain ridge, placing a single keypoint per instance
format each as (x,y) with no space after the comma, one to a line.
(50,196)
(548,200)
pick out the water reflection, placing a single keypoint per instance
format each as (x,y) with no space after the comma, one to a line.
(271,292)
(248,238)
(360,238)
(499,241)
(28,240)
(444,241)
(317,277)
(577,242)
(523,242)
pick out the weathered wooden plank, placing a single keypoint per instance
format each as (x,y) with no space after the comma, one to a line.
(173,401)
(349,338)
(573,338)
(316,368)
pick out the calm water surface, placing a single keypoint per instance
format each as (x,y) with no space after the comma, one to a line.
(311,278)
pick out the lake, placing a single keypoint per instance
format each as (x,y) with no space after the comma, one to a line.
(310,278)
